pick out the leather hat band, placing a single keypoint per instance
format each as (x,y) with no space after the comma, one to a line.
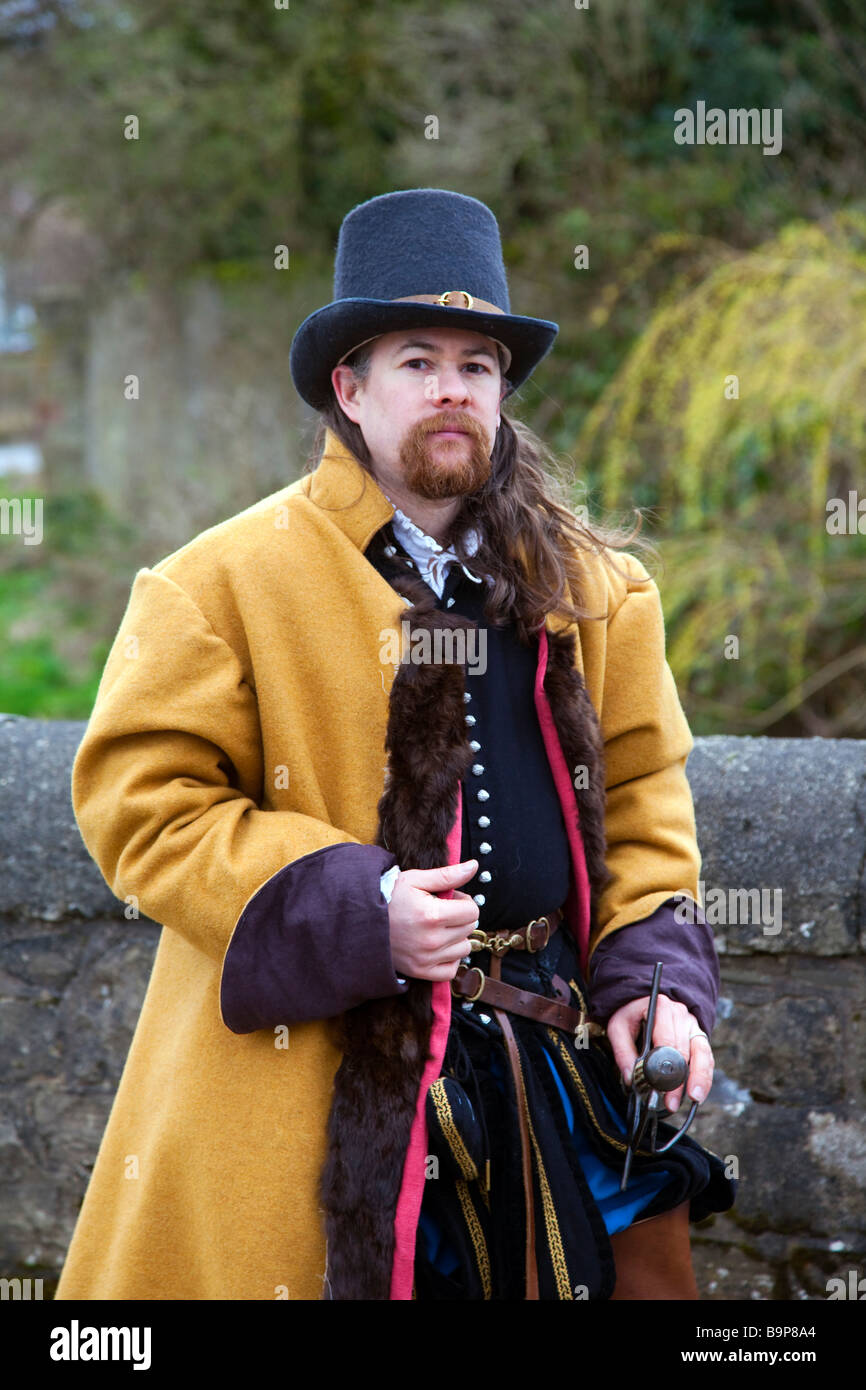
(469,301)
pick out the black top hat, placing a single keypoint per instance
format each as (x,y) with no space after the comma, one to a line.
(419,257)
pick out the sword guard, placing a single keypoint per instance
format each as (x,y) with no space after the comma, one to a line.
(657,1071)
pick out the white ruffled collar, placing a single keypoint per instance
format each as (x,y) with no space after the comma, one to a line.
(431,558)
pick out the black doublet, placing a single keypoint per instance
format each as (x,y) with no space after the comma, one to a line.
(512,819)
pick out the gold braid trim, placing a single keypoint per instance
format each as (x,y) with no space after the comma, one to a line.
(554,1238)
(573,984)
(449,1129)
(482,1259)
(578,1081)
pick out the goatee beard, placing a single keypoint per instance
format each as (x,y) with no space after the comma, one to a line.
(442,468)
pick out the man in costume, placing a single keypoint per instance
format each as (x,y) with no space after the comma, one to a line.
(387,873)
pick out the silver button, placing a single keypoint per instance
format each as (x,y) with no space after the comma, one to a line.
(466,697)
(390,550)
(449,603)
(474,745)
(470,718)
(483,795)
(485,876)
(479,898)
(485,1018)
(484,821)
(477,769)
(484,847)
(411,562)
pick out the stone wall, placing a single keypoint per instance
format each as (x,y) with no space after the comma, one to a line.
(785,817)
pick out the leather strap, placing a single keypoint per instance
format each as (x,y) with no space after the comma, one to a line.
(470,982)
(523,1120)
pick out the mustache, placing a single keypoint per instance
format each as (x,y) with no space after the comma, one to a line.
(458,421)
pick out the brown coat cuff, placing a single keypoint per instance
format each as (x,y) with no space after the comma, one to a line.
(312,942)
(622,965)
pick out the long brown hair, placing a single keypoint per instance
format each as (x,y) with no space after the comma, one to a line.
(525,499)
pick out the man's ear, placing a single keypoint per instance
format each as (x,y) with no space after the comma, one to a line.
(346,387)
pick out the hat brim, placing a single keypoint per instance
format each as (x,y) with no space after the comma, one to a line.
(329,333)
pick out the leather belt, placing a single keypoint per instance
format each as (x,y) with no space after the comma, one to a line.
(533,937)
(471,983)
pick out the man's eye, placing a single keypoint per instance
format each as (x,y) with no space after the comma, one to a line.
(422,361)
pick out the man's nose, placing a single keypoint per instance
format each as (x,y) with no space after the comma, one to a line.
(449,384)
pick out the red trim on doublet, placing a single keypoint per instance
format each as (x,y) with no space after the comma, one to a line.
(577,904)
(412,1187)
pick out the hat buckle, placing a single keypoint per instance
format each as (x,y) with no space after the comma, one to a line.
(445,296)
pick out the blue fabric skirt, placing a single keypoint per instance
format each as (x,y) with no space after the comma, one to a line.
(618,1209)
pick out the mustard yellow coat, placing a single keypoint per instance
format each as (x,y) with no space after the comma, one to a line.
(227,741)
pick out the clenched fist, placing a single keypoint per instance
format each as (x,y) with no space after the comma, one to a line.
(429,934)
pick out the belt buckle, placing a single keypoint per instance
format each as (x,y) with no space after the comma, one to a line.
(536,921)
(458,994)
(497,942)
(500,943)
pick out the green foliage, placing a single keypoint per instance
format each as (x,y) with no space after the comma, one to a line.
(739,412)
(260,125)
(60,603)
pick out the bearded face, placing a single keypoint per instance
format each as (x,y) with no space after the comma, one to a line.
(427,408)
(440,465)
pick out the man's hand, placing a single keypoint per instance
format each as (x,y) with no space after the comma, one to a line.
(430,935)
(674,1027)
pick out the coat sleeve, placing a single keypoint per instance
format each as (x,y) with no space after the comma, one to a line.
(652,849)
(166,788)
(623,965)
(312,942)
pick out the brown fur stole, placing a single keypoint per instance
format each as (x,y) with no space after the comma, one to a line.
(385,1042)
